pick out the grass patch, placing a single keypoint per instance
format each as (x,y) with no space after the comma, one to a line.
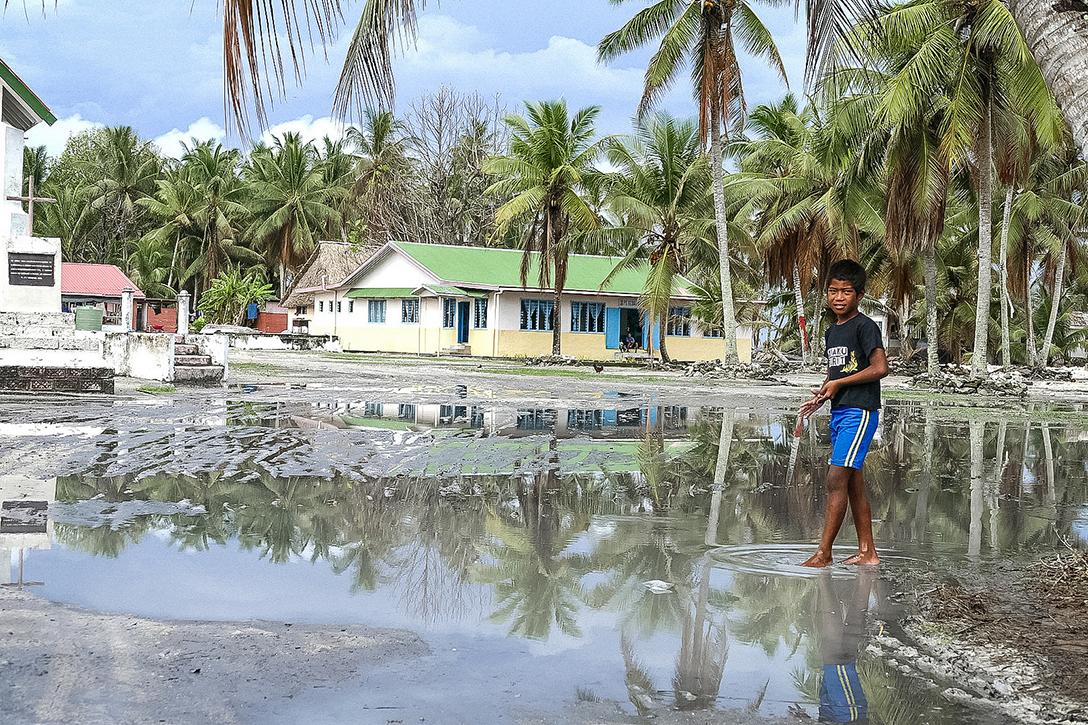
(151,389)
(255,367)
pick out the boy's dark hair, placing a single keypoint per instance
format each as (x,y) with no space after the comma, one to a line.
(847,270)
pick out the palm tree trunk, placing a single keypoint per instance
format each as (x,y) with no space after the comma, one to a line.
(932,344)
(977,435)
(802,323)
(1029,307)
(980,356)
(721,223)
(1055,303)
(1057,34)
(1006,353)
(662,326)
(173,263)
(557,322)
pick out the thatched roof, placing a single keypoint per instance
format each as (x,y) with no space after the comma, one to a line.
(329,265)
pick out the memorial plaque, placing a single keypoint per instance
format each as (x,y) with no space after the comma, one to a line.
(31,270)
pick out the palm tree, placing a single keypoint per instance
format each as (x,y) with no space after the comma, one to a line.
(545,177)
(290,202)
(1054,35)
(701,34)
(124,169)
(661,193)
(810,203)
(380,196)
(202,211)
(148,265)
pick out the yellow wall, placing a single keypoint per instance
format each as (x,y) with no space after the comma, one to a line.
(482,342)
(380,338)
(517,343)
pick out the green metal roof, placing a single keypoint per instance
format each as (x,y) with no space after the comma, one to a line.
(488,267)
(450,291)
(381,293)
(29,97)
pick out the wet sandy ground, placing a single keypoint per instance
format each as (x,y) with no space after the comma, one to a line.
(59,660)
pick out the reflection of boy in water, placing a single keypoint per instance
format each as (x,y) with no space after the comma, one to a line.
(841,634)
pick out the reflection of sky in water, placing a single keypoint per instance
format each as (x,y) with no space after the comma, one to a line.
(582,552)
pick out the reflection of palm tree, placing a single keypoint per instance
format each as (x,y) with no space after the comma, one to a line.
(535,583)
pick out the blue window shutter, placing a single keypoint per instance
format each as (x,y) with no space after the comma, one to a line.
(612,328)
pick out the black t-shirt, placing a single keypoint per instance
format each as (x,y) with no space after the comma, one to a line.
(849,346)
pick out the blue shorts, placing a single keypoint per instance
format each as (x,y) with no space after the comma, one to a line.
(841,696)
(852,432)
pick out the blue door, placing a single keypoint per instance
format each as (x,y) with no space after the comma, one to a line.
(612,328)
(462,322)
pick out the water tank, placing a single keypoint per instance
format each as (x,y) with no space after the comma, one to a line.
(88,318)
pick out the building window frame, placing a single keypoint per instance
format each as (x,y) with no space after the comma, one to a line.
(321,305)
(479,313)
(678,323)
(537,315)
(449,313)
(409,312)
(587,317)
(375,312)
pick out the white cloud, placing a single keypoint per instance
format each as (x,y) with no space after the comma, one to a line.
(173,142)
(308,127)
(450,51)
(56,136)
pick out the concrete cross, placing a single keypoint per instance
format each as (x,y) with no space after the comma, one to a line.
(30,199)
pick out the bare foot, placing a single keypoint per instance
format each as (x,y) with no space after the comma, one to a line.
(863,558)
(817,560)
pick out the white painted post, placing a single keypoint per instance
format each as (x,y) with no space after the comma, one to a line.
(183,313)
(126,309)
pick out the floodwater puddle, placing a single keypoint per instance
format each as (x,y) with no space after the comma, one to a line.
(642,555)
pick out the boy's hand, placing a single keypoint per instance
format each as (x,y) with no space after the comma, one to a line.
(829,390)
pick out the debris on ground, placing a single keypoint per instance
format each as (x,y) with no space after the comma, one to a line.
(1064,375)
(958,379)
(718,370)
(1015,639)
(552,361)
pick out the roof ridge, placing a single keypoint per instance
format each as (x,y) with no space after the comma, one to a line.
(501,249)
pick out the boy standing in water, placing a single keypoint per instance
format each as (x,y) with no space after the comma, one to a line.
(856,362)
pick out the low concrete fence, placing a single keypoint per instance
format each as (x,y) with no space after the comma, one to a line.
(326,343)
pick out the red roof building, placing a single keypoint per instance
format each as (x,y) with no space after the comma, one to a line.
(98,285)
(100,281)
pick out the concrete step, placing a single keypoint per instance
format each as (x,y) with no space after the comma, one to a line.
(457,350)
(198,375)
(189,361)
(183,348)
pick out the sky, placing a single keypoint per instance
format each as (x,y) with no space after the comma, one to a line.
(157,65)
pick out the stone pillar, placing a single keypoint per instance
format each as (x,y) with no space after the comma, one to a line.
(126,309)
(183,313)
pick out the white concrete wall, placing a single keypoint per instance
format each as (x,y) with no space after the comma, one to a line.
(216,346)
(27,298)
(145,355)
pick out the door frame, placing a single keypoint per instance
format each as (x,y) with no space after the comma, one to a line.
(464,310)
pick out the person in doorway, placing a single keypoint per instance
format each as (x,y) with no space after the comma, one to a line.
(856,362)
(841,629)
(629,341)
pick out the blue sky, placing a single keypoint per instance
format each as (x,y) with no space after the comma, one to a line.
(156,64)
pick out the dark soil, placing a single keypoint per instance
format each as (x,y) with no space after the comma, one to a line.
(1039,609)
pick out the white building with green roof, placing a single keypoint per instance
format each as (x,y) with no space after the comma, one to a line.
(436,298)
